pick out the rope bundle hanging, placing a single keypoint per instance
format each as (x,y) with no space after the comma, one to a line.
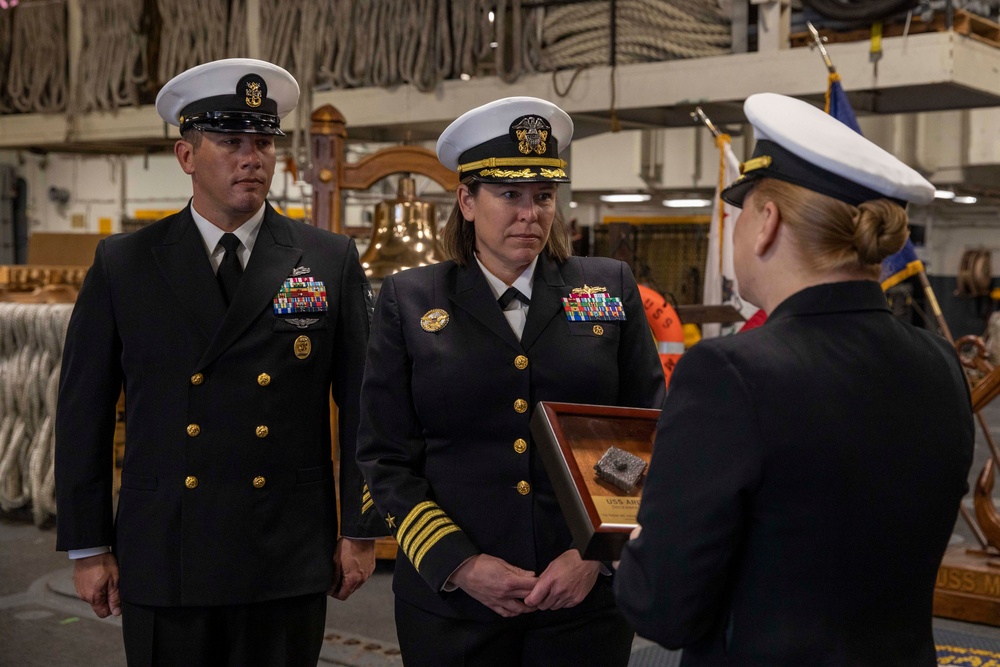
(294,43)
(192,33)
(384,43)
(6,32)
(36,78)
(31,341)
(113,57)
(647,30)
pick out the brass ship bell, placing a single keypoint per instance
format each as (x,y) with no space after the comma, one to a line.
(403,234)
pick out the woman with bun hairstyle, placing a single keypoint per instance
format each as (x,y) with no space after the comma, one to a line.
(806,475)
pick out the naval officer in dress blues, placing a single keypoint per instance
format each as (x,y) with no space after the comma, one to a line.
(460,354)
(228,325)
(806,475)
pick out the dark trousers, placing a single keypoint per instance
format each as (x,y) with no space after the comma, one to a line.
(276,633)
(600,637)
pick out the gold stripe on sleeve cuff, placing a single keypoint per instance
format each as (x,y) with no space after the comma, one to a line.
(422,528)
(416,530)
(366,499)
(430,543)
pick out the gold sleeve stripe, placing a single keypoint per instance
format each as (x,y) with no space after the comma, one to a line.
(366,499)
(413,532)
(430,543)
(414,513)
(414,545)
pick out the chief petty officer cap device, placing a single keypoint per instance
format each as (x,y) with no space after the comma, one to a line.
(802,145)
(234,95)
(512,140)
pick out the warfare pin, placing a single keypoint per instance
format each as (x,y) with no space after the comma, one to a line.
(434,320)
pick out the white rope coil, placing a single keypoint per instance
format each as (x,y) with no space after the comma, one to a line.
(31,341)
(579,35)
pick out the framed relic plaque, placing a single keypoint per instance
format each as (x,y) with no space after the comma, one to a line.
(596,457)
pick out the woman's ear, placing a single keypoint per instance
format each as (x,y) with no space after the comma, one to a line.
(768,232)
(466,202)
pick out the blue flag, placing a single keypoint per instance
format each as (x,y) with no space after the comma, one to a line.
(895,268)
(838,106)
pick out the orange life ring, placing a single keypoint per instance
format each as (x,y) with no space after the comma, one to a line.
(668,334)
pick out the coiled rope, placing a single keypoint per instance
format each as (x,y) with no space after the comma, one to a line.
(647,30)
(31,341)
(36,80)
(384,43)
(113,63)
(193,32)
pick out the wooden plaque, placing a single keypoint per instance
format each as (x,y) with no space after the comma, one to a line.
(570,440)
(968,586)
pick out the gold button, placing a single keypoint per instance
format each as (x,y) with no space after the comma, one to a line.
(191,482)
(263,379)
(262,431)
(259,482)
(193,430)
(520,405)
(598,330)
(520,446)
(521,362)
(523,488)
(197,379)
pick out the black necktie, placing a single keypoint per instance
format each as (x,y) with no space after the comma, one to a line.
(511,294)
(230,269)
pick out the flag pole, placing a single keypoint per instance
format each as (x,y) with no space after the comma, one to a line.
(931,299)
(820,44)
(698,115)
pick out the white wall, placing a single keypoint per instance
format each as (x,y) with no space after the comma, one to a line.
(113,187)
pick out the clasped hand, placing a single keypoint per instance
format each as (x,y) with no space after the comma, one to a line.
(511,591)
(353,564)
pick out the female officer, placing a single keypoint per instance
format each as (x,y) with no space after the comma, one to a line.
(806,474)
(460,354)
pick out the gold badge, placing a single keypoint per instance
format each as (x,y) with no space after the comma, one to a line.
(303,347)
(588,290)
(434,320)
(531,133)
(255,95)
(391,520)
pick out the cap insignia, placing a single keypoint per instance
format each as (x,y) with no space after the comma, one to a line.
(531,132)
(253,89)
